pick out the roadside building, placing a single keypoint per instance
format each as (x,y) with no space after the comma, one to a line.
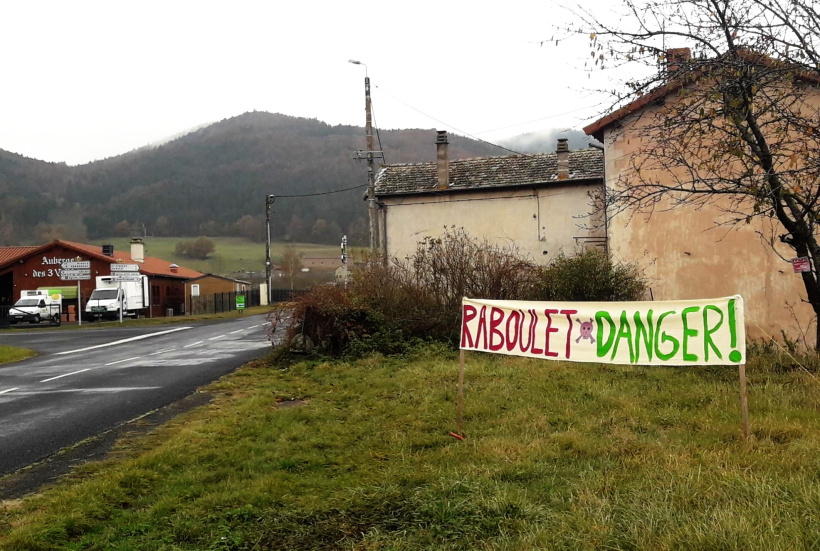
(541,203)
(199,289)
(321,263)
(694,250)
(23,268)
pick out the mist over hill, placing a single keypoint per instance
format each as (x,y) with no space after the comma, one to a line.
(547,140)
(212,181)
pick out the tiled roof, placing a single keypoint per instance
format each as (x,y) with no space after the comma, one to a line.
(8,254)
(150,266)
(490,172)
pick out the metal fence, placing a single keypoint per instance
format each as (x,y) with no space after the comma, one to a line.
(222,302)
(286,295)
(9,315)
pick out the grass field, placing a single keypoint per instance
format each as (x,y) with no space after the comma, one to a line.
(232,255)
(556,456)
(10,354)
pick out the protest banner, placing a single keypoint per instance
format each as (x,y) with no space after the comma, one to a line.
(684,332)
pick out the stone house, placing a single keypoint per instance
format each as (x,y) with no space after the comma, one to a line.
(541,203)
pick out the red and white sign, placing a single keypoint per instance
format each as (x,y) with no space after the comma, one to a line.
(801,264)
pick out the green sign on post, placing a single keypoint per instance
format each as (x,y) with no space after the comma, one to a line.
(240,302)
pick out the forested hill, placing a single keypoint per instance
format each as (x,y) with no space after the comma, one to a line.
(212,182)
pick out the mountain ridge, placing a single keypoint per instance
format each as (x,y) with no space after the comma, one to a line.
(212,181)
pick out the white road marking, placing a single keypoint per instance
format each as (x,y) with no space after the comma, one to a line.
(214,338)
(254,326)
(125,360)
(65,375)
(237,331)
(149,335)
(9,390)
(161,352)
(193,344)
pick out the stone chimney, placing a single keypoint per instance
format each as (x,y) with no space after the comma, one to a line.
(442,160)
(137,250)
(563,159)
(675,57)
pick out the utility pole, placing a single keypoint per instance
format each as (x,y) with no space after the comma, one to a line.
(269,199)
(371,177)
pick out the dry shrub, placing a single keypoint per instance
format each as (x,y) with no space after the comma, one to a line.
(589,276)
(388,308)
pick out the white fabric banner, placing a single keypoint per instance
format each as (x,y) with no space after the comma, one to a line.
(683,332)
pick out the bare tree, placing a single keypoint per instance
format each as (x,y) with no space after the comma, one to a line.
(731,120)
(291,263)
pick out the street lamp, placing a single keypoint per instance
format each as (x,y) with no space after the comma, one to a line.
(269,199)
(354,62)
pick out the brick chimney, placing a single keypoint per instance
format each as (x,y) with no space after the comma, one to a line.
(442,160)
(137,250)
(675,57)
(563,159)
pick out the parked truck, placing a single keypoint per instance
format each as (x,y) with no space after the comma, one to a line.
(110,295)
(37,306)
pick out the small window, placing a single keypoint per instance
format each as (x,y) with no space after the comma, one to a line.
(42,303)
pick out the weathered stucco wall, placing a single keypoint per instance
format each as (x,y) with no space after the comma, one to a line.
(542,222)
(686,255)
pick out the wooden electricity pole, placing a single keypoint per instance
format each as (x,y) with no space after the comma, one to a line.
(371,177)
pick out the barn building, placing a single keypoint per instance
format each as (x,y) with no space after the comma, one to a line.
(35,267)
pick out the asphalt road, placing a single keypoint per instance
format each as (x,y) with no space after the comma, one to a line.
(86,382)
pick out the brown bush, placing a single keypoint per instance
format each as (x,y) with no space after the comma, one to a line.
(387,307)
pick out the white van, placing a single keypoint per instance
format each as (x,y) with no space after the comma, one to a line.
(109,295)
(36,306)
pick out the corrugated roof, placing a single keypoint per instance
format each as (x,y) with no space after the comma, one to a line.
(151,265)
(490,172)
(220,277)
(9,254)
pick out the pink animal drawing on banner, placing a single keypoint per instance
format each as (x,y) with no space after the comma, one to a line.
(586,331)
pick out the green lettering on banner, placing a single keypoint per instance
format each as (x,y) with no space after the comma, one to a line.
(687,357)
(603,347)
(664,338)
(624,332)
(734,355)
(707,331)
(648,333)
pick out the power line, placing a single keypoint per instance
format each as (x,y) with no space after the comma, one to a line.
(378,136)
(541,119)
(450,125)
(322,192)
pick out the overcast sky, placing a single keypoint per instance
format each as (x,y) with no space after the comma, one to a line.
(86,80)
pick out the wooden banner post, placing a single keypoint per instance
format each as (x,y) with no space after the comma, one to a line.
(744,401)
(460,388)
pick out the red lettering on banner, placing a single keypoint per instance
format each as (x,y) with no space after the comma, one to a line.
(517,320)
(530,335)
(533,327)
(550,329)
(569,313)
(467,316)
(494,330)
(482,327)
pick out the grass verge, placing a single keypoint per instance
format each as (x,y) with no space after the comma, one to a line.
(556,456)
(9,354)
